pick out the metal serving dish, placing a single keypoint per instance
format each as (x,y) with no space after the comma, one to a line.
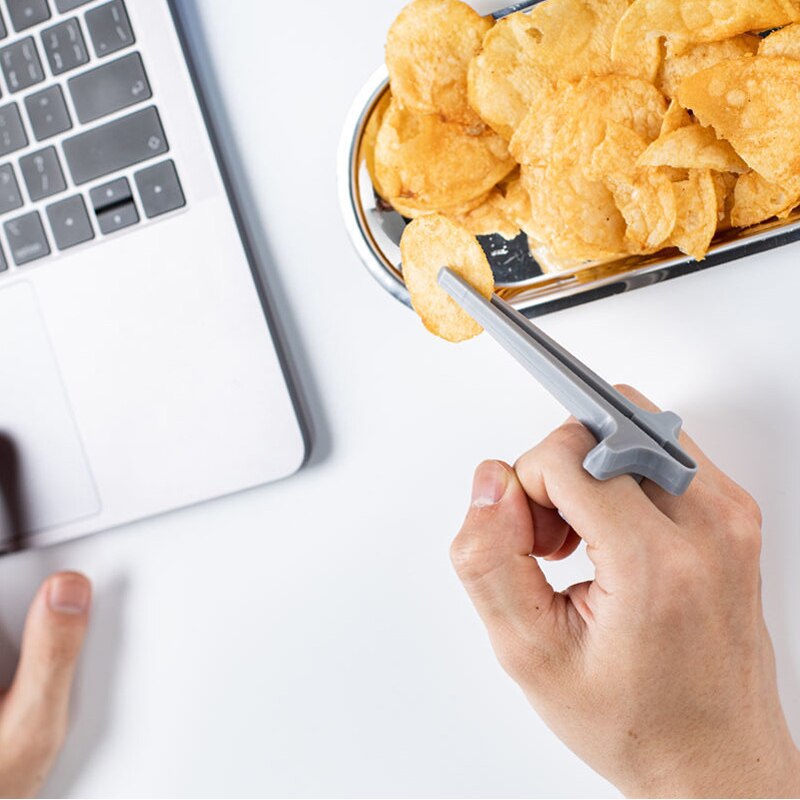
(376,230)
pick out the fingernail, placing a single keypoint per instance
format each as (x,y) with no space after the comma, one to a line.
(69,594)
(489,485)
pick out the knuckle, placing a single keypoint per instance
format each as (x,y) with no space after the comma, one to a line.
(750,507)
(571,436)
(469,558)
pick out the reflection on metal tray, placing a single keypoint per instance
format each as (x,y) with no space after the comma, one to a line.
(376,231)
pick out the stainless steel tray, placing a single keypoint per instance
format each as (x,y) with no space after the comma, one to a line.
(375,232)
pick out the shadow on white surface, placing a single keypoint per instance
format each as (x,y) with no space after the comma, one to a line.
(295,360)
(753,431)
(94,689)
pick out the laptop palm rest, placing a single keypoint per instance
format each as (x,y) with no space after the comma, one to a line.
(43,469)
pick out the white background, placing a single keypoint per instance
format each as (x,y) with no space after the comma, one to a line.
(309,638)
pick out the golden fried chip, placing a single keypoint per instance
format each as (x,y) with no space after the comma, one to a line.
(785,42)
(616,155)
(647,203)
(687,22)
(428,50)
(493,215)
(692,147)
(526,53)
(518,203)
(754,103)
(572,38)
(428,245)
(448,211)
(676,117)
(676,68)
(504,80)
(548,263)
(724,184)
(696,222)
(370,137)
(568,128)
(424,164)
(756,200)
(575,218)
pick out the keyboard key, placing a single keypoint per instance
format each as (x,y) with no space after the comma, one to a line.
(159,189)
(109,28)
(115,145)
(103,90)
(69,222)
(12,132)
(26,238)
(117,217)
(64,46)
(42,173)
(10,197)
(25,13)
(110,194)
(113,205)
(48,113)
(62,6)
(3,30)
(3,262)
(21,65)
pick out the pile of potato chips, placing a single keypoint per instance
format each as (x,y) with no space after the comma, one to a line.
(600,128)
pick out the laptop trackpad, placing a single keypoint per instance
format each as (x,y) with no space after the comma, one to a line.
(43,462)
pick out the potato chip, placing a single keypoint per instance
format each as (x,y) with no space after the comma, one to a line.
(491,216)
(754,103)
(504,80)
(567,129)
(785,42)
(692,147)
(724,184)
(575,218)
(640,59)
(647,203)
(676,117)
(428,245)
(677,68)
(526,53)
(518,203)
(687,22)
(428,50)
(453,211)
(370,137)
(548,263)
(586,50)
(696,219)
(424,164)
(616,155)
(756,200)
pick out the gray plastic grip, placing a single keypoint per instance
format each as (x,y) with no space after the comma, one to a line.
(632,441)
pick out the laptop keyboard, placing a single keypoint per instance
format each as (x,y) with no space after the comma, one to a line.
(77,126)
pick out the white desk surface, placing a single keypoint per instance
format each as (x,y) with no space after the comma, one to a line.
(310,638)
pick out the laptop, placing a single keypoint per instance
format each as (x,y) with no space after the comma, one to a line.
(139,371)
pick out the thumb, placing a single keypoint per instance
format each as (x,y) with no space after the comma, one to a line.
(34,714)
(492,556)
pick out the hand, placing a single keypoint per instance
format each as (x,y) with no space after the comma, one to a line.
(659,673)
(33,712)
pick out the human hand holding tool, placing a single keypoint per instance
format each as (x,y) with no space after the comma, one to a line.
(659,672)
